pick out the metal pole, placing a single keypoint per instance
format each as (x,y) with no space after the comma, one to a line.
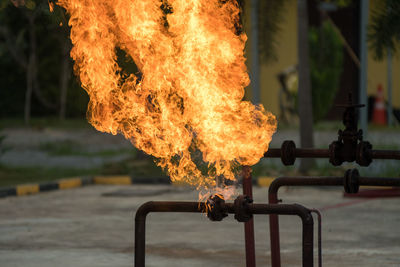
(304,91)
(249,225)
(364,66)
(389,87)
(255,66)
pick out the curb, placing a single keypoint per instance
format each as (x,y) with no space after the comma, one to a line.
(69,183)
(30,189)
(264,181)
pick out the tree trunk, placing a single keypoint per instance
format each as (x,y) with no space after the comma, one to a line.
(64,79)
(34,61)
(30,69)
(305,99)
(28,92)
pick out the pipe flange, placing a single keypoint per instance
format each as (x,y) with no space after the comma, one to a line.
(334,153)
(288,152)
(351,183)
(216,210)
(363,156)
(241,208)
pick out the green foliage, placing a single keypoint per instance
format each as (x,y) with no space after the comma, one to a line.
(271,15)
(385,28)
(340,3)
(72,148)
(326,64)
(50,39)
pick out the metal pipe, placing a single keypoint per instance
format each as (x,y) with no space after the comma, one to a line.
(385,154)
(310,181)
(299,153)
(324,153)
(195,207)
(319,217)
(249,225)
(140,222)
(379,181)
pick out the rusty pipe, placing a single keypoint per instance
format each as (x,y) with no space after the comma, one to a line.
(195,207)
(325,153)
(310,181)
(385,154)
(249,225)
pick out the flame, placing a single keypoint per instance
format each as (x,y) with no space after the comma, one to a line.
(185,105)
(51,6)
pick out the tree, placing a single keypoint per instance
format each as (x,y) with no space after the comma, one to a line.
(62,35)
(326,65)
(16,44)
(384,30)
(22,43)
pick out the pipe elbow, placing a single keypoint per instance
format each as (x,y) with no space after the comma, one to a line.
(304,214)
(143,210)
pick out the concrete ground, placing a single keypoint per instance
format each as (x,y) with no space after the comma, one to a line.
(93,226)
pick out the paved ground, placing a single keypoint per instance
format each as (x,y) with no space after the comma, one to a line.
(93,226)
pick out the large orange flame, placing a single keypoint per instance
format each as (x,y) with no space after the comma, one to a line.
(185,107)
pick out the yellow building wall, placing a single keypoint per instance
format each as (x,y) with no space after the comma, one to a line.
(287,56)
(377,71)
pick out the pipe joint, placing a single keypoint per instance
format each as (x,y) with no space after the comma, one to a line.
(241,206)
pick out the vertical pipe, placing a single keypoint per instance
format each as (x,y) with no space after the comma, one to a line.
(363,66)
(249,225)
(255,66)
(140,240)
(389,87)
(274,233)
(308,242)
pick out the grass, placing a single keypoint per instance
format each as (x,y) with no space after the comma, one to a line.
(10,176)
(71,148)
(45,122)
(134,167)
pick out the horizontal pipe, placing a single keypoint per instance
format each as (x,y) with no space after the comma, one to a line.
(379,181)
(385,154)
(273,153)
(312,153)
(304,181)
(299,153)
(324,153)
(324,181)
(195,207)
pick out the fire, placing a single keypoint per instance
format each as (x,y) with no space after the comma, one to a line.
(185,105)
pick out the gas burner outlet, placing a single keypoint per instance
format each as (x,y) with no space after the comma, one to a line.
(216,210)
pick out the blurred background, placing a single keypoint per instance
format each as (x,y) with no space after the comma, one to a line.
(304,58)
